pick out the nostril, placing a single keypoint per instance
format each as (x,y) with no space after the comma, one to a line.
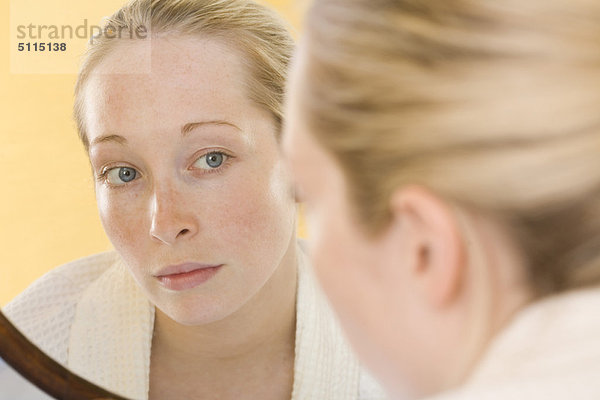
(183,232)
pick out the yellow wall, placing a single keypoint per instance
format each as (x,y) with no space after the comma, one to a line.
(47,208)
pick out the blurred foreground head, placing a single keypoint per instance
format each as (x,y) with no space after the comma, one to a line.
(451,154)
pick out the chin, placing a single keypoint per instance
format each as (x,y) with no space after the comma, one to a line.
(196,318)
(196,311)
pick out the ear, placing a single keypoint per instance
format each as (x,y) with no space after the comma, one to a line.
(433,239)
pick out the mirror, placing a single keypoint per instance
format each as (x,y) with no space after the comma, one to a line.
(18,354)
(49,214)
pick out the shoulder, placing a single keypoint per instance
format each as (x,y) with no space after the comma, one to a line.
(550,350)
(60,283)
(45,310)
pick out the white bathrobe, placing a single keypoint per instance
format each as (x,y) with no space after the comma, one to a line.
(91,316)
(550,351)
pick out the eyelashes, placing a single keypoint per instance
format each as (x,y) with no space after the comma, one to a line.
(118,176)
(208,162)
(111,175)
(212,161)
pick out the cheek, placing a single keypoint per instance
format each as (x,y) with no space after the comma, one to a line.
(336,254)
(327,249)
(122,218)
(255,209)
(347,266)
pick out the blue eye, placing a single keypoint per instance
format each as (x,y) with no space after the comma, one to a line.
(120,175)
(211,160)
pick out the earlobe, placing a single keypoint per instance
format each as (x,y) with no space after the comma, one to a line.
(437,246)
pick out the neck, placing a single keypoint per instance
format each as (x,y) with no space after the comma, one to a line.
(497,290)
(260,329)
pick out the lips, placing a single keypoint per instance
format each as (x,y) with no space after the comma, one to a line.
(186,276)
(182,268)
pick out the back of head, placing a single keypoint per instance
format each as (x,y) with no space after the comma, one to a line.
(492,105)
(258,33)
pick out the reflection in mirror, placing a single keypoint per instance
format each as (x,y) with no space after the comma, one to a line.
(18,354)
(48,208)
(205,288)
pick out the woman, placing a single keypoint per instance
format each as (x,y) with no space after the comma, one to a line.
(206,295)
(450,155)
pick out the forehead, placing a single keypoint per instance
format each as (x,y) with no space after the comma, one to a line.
(167,79)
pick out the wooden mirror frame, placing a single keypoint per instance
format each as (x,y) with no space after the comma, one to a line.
(42,371)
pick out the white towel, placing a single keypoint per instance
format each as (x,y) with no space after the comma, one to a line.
(91,316)
(550,351)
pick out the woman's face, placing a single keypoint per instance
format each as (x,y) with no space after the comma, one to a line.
(339,252)
(190,185)
(373,302)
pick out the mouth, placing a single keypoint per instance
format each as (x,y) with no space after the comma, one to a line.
(186,276)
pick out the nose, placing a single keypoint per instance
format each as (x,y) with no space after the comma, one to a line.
(172,216)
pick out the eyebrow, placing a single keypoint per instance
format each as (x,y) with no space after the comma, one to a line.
(187,128)
(108,138)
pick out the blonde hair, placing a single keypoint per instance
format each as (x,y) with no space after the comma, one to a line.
(256,31)
(492,105)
